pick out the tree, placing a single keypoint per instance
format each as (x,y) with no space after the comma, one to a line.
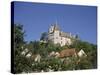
(84,64)
(21,63)
(44,36)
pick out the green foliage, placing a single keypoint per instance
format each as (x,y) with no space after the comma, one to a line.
(84,64)
(23,64)
(87,47)
(43,36)
(53,47)
(90,50)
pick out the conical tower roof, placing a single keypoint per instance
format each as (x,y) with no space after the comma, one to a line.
(56,26)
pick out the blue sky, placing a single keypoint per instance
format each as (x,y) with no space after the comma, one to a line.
(37,18)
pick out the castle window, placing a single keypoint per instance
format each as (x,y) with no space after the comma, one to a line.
(53,38)
(56,37)
(61,38)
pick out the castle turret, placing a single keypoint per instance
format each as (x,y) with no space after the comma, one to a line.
(54,27)
(51,29)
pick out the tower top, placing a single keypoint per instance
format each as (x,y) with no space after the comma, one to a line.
(56,22)
(56,26)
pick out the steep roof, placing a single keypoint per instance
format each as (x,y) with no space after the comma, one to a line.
(63,34)
(56,27)
(67,52)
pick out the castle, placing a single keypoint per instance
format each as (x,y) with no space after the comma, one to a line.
(59,37)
